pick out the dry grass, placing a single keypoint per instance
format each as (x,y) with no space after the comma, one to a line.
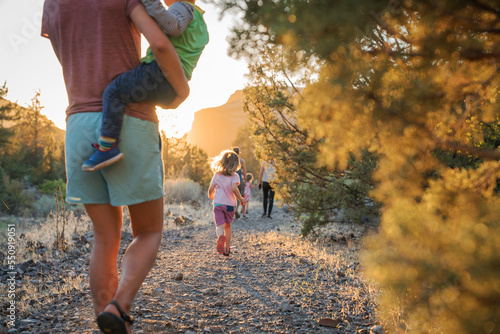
(34,232)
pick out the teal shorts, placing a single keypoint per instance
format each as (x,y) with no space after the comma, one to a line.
(137,178)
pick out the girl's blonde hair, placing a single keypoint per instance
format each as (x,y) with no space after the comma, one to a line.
(227,163)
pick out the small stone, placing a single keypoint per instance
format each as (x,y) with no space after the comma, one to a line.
(377,329)
(210,292)
(183,221)
(178,277)
(25,322)
(285,307)
(327,322)
(304,261)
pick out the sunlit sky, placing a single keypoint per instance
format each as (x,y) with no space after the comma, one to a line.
(28,64)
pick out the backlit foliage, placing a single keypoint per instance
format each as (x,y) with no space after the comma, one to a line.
(183,160)
(417,83)
(31,153)
(246,144)
(318,195)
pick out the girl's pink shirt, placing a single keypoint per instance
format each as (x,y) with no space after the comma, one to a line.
(223,188)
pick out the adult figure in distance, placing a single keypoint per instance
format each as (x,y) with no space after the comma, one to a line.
(266,176)
(242,172)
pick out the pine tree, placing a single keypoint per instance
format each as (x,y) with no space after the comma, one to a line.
(415,82)
(316,194)
(184,160)
(7,114)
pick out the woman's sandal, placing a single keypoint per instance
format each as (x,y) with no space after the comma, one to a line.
(110,323)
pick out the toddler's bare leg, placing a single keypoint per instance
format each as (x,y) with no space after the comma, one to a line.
(227,233)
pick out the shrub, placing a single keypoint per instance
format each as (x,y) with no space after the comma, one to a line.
(17,197)
(44,205)
(182,190)
(49,187)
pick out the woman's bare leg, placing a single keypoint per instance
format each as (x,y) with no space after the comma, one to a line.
(107,222)
(147,224)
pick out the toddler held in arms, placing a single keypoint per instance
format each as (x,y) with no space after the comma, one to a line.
(224,192)
(183,23)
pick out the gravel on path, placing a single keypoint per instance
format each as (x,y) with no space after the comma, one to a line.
(274,281)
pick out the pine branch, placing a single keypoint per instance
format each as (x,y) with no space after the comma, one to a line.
(480,5)
(288,153)
(469,54)
(487,154)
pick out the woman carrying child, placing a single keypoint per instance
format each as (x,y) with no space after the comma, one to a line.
(224,192)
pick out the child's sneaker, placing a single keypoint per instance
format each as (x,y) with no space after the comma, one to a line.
(221,247)
(101,159)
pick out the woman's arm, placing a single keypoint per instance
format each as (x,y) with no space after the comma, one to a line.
(164,53)
(261,175)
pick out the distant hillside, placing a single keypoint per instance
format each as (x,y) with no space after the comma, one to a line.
(215,129)
(56,132)
(4,123)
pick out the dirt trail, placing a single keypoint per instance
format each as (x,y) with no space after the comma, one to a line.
(272,282)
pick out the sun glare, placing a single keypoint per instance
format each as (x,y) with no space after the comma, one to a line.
(173,123)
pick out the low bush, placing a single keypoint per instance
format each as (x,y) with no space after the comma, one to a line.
(44,205)
(50,187)
(17,197)
(182,190)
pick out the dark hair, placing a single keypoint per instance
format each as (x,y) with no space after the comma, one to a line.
(236,149)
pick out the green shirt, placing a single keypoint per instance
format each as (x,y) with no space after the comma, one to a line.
(189,45)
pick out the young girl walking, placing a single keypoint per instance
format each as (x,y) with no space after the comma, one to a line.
(248,194)
(224,192)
